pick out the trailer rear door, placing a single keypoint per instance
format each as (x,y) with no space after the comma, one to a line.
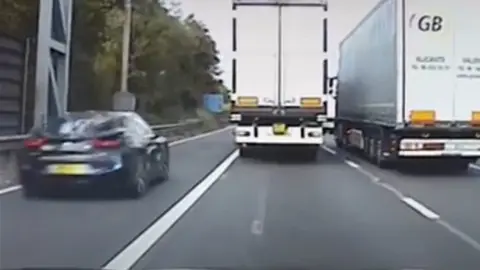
(256,54)
(467,60)
(429,60)
(442,60)
(303,58)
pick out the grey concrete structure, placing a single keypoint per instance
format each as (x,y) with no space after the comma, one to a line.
(53,58)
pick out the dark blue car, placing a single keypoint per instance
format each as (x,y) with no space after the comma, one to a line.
(116,151)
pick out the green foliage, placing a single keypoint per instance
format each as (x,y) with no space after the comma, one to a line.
(173,61)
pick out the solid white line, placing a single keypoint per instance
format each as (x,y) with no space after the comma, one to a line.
(135,250)
(174,143)
(10,189)
(465,237)
(200,136)
(328,149)
(421,209)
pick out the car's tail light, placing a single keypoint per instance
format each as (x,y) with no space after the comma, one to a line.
(106,144)
(34,143)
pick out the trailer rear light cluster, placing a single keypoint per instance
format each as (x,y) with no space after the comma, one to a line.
(315,134)
(412,146)
(321,118)
(422,117)
(311,102)
(241,133)
(235,117)
(247,102)
(476,119)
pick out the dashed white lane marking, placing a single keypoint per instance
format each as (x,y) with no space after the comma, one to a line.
(475,167)
(388,187)
(415,205)
(182,141)
(258,223)
(352,164)
(328,149)
(126,258)
(420,208)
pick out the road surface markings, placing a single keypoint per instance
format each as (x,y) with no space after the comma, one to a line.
(352,164)
(391,189)
(258,224)
(328,149)
(475,167)
(415,205)
(10,189)
(174,143)
(420,208)
(465,237)
(127,257)
(200,136)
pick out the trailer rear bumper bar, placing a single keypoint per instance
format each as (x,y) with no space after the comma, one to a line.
(439,148)
(264,135)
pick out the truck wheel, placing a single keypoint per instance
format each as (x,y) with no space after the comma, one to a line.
(380,161)
(310,153)
(459,166)
(31,192)
(245,152)
(338,142)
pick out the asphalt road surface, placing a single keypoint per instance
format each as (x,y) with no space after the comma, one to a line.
(337,213)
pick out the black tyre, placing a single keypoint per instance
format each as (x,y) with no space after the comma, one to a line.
(379,159)
(163,160)
(245,152)
(311,154)
(31,192)
(165,169)
(137,184)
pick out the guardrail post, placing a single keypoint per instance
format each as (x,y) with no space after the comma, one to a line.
(53,57)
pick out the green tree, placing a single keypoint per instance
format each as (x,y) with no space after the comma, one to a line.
(173,61)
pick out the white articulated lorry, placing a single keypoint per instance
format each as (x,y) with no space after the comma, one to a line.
(409,83)
(279,73)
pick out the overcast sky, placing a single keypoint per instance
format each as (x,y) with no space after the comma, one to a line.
(216,14)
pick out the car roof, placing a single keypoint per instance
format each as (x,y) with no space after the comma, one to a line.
(98,114)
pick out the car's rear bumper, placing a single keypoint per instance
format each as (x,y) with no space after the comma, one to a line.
(40,181)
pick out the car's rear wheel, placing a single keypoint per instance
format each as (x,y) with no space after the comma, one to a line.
(137,184)
(31,192)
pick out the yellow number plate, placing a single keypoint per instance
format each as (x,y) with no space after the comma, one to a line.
(69,169)
(279,129)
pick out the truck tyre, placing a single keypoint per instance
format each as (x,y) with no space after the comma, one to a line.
(379,160)
(459,166)
(311,154)
(338,142)
(245,152)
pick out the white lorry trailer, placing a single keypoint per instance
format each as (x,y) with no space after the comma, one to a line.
(409,83)
(279,73)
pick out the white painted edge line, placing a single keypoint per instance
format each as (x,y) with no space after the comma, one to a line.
(200,136)
(126,258)
(421,209)
(10,189)
(472,242)
(174,143)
